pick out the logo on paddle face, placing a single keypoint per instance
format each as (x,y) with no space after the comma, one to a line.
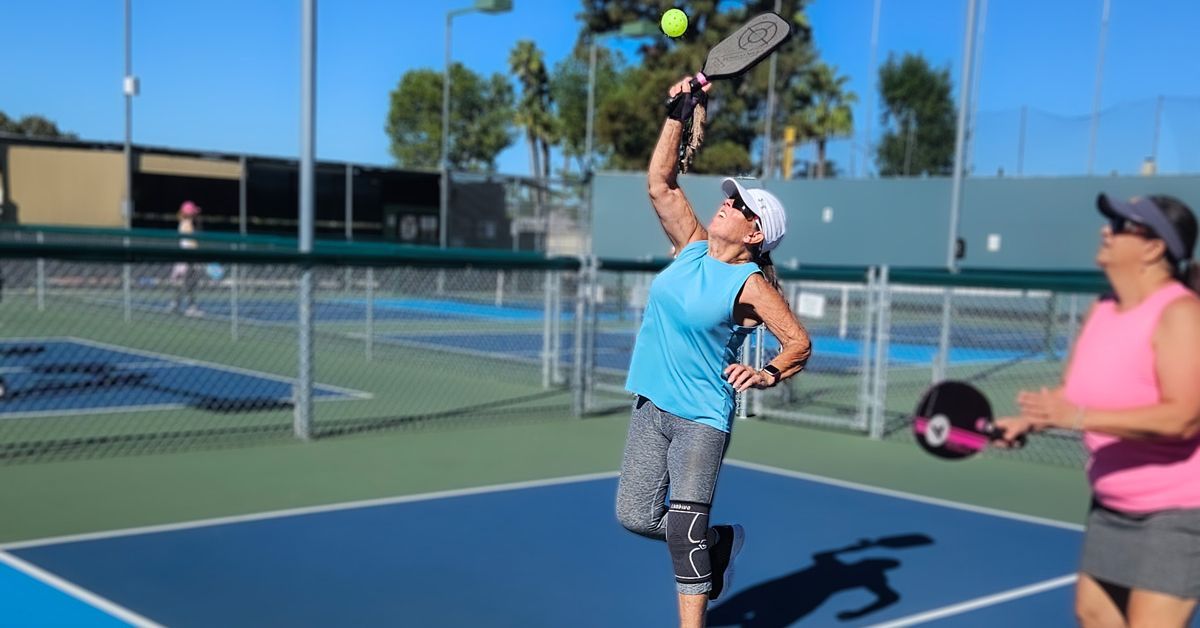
(758,34)
(938,430)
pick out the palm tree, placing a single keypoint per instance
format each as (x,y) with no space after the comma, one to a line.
(534,109)
(827,114)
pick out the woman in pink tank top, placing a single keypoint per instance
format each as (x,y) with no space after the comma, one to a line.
(1132,386)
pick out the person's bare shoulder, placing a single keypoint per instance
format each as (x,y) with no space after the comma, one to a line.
(1182,312)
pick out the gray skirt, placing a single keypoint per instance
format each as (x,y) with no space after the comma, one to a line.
(1156,552)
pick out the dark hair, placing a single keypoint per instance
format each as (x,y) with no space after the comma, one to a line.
(1184,221)
(768,269)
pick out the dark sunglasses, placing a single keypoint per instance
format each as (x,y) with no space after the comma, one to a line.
(741,206)
(1121,224)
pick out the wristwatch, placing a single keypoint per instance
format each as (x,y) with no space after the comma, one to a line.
(771,370)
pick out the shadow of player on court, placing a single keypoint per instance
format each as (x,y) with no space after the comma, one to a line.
(787,599)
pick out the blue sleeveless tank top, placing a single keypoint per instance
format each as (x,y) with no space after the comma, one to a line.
(688,337)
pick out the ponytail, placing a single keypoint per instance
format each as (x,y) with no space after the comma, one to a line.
(768,270)
(1189,275)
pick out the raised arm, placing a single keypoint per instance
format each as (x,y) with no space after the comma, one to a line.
(675,213)
(761,302)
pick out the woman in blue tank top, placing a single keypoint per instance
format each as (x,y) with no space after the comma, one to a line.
(685,373)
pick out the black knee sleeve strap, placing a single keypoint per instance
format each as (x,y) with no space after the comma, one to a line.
(687,538)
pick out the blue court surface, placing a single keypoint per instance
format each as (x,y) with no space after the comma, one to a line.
(550,553)
(70,375)
(615,349)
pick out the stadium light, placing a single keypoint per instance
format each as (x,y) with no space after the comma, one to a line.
(491,7)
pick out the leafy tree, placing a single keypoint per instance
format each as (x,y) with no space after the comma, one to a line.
(628,122)
(828,114)
(33,126)
(918,113)
(568,91)
(481,113)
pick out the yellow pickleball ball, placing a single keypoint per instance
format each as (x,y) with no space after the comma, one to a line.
(674,22)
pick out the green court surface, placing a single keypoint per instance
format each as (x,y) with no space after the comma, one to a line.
(79,496)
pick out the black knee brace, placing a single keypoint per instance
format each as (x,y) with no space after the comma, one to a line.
(687,538)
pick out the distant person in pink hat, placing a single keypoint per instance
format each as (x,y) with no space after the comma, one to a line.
(685,371)
(186,275)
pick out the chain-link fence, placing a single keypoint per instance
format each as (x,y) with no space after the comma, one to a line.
(107,348)
(880,339)
(112,350)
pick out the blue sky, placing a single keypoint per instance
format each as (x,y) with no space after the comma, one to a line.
(223,75)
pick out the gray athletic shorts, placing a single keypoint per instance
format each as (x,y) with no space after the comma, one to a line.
(1156,552)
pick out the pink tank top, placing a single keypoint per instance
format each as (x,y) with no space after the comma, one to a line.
(1113,368)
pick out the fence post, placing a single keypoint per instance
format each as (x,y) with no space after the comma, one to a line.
(865,352)
(547,327)
(233,301)
(556,327)
(370,331)
(593,314)
(882,337)
(942,359)
(756,402)
(41,278)
(1051,318)
(1073,319)
(581,295)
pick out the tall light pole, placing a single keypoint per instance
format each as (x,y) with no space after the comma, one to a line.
(640,28)
(130,88)
(483,6)
(1091,161)
(302,410)
(768,160)
(874,75)
(964,97)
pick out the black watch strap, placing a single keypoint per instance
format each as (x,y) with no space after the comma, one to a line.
(772,370)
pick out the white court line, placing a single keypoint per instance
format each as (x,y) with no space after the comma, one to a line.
(979,602)
(33,414)
(76,591)
(909,496)
(308,510)
(162,360)
(157,364)
(214,365)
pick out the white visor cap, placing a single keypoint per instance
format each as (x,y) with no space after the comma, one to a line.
(772,220)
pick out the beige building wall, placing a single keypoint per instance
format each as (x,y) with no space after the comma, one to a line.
(189,166)
(64,186)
